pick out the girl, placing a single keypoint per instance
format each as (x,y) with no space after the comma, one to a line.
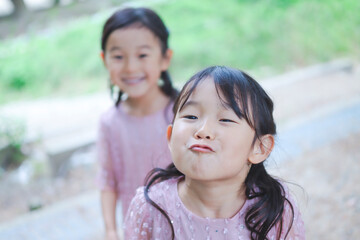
(132,133)
(217,186)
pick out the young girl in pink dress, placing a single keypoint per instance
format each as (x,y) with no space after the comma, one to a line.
(217,187)
(132,138)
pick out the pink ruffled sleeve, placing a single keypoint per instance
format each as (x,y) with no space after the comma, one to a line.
(106,175)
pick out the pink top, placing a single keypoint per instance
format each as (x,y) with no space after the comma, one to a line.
(129,147)
(143,221)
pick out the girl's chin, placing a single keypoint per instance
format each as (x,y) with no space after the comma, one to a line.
(135,93)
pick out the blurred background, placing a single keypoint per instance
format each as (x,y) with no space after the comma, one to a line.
(53,87)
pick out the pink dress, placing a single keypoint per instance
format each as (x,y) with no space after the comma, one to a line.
(129,147)
(143,221)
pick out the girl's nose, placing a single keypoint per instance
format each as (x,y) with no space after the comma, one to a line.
(131,65)
(205,132)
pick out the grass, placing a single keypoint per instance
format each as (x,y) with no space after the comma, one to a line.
(263,37)
(65,60)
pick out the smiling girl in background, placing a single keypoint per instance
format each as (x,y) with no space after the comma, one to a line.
(132,138)
(217,186)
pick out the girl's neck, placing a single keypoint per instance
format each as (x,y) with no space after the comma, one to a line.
(147,104)
(212,200)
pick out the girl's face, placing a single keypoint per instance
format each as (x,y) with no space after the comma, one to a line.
(134,60)
(208,141)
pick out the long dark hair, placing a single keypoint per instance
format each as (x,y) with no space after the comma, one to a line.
(140,17)
(250,102)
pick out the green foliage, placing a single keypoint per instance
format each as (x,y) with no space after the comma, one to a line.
(63,60)
(12,133)
(264,37)
(275,35)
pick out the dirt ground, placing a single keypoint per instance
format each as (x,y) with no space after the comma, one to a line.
(330,198)
(16,199)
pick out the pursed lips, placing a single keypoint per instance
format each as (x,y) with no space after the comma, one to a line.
(201,148)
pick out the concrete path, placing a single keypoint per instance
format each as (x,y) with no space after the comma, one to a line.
(76,218)
(312,110)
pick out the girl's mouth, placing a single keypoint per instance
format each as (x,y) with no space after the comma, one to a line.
(133,81)
(201,148)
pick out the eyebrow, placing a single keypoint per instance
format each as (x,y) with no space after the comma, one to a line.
(189,103)
(224,106)
(145,46)
(115,48)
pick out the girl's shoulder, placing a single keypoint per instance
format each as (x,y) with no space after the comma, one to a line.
(109,114)
(141,214)
(169,110)
(291,200)
(119,114)
(115,115)
(164,188)
(287,191)
(160,193)
(291,214)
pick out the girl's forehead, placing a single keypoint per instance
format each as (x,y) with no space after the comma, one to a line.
(135,36)
(205,91)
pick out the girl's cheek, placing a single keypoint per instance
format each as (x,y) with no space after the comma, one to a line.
(179,127)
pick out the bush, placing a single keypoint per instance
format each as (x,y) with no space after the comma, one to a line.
(12,135)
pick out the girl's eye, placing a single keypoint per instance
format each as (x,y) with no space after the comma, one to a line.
(118,57)
(192,117)
(143,55)
(226,120)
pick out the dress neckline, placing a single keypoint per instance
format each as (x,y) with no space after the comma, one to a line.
(190,214)
(163,111)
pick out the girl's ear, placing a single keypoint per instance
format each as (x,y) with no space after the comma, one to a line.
(102,56)
(166,59)
(262,149)
(169,132)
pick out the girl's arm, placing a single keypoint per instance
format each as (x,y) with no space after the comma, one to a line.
(107,182)
(108,205)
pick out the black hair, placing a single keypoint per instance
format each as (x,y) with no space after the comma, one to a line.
(141,17)
(249,101)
